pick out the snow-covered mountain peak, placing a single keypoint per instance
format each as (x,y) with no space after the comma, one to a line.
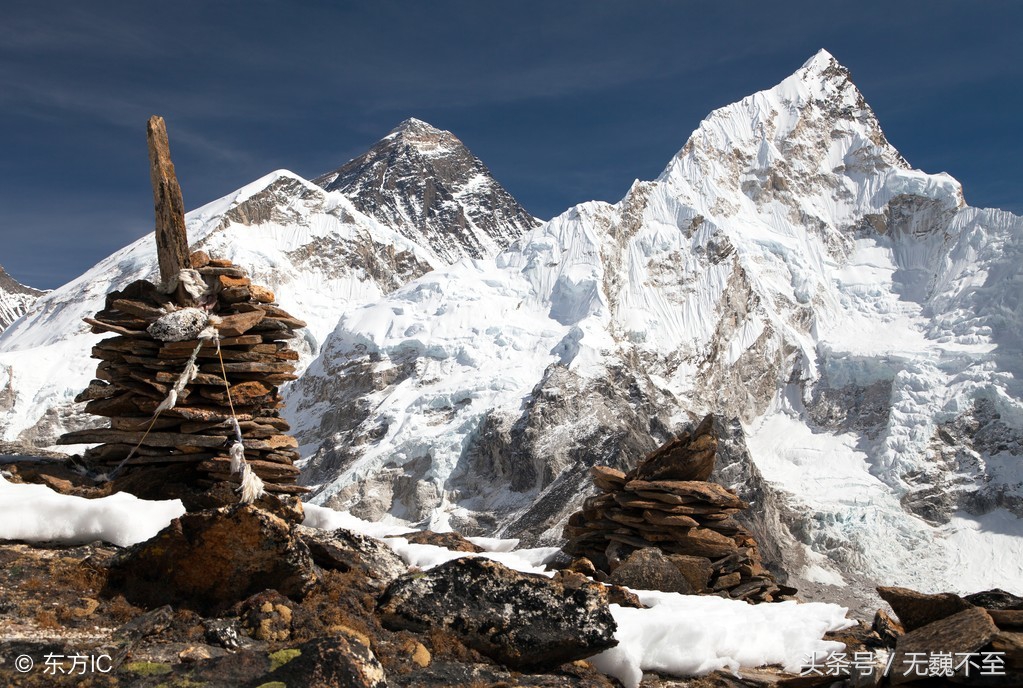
(814,130)
(425,183)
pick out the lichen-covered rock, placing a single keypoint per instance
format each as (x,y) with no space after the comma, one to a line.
(343,550)
(518,619)
(267,616)
(341,660)
(212,559)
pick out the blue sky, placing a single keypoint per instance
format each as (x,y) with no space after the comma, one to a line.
(564,101)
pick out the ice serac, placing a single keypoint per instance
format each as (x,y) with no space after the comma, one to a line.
(313,248)
(15,299)
(788,270)
(425,183)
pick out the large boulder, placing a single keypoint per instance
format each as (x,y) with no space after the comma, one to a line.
(210,560)
(521,620)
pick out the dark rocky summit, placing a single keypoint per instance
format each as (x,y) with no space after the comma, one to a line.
(425,183)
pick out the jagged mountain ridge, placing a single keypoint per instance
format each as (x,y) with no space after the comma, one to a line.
(315,248)
(424,182)
(787,269)
(15,299)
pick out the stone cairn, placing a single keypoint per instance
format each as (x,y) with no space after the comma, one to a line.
(190,381)
(666,503)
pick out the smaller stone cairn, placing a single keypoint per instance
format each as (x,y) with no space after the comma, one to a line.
(666,503)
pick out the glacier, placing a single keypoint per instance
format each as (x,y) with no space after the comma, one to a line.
(788,269)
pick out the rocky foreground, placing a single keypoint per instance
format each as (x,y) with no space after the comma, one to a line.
(241,596)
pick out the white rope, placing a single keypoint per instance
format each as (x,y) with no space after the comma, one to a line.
(251,487)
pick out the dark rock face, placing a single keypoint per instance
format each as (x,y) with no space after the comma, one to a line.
(213,559)
(917,609)
(517,619)
(426,184)
(996,599)
(649,569)
(344,550)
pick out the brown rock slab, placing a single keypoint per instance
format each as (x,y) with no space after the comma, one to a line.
(1011,643)
(212,559)
(239,323)
(887,628)
(917,609)
(963,632)
(689,457)
(606,478)
(453,541)
(1007,618)
(261,294)
(660,518)
(689,491)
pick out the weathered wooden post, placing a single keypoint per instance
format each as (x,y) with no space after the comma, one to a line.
(171,237)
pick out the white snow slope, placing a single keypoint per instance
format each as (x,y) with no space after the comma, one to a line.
(788,268)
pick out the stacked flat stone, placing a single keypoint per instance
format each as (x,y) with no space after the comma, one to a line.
(667,503)
(137,371)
